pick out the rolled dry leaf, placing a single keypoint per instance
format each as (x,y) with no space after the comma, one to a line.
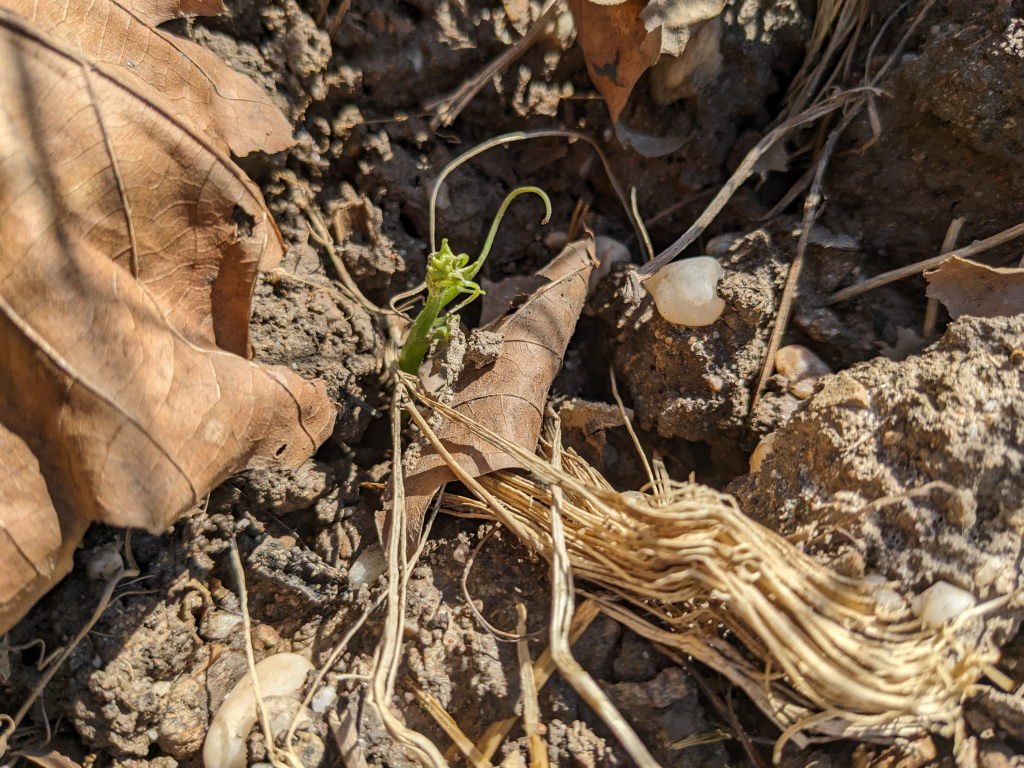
(966,287)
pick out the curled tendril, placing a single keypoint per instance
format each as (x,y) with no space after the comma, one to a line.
(450,275)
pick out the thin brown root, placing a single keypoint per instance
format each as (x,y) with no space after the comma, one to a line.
(499,634)
(12,723)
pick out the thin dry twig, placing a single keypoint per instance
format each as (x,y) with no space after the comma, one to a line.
(451,106)
(743,172)
(250,659)
(106,598)
(812,207)
(968,251)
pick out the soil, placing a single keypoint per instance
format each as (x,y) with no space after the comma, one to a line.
(906,463)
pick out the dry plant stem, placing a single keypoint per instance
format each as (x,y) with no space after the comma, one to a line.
(531,709)
(812,207)
(328,665)
(967,252)
(250,658)
(563,597)
(460,740)
(543,669)
(634,208)
(746,168)
(742,173)
(37,690)
(387,657)
(838,22)
(449,108)
(508,138)
(931,310)
(629,426)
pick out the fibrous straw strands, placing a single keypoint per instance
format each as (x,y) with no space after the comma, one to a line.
(683,566)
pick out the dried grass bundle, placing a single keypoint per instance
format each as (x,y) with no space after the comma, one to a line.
(681,565)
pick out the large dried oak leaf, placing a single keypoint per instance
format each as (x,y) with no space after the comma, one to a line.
(129,246)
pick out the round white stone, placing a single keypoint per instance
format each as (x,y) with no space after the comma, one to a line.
(685,292)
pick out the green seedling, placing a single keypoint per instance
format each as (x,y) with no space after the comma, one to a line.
(450,275)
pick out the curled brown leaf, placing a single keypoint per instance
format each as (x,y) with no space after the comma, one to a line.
(129,246)
(510,394)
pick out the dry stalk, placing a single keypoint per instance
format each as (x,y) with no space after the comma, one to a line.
(684,567)
(563,600)
(531,708)
(283,759)
(966,252)
(388,655)
(459,738)
(543,669)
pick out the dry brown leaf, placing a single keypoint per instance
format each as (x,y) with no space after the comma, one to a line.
(622,39)
(123,400)
(222,105)
(617,47)
(966,287)
(510,394)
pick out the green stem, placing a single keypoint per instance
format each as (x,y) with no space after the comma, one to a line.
(417,343)
(475,266)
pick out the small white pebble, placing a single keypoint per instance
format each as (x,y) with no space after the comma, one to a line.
(225,745)
(368,567)
(941,603)
(323,699)
(103,564)
(685,292)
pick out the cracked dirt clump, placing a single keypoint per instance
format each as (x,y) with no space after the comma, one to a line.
(695,383)
(911,469)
